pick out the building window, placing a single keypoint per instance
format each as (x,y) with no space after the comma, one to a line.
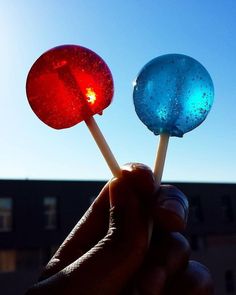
(196,213)
(227,209)
(229,282)
(7,260)
(50,213)
(5,214)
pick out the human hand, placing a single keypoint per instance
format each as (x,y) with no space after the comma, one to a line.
(115,250)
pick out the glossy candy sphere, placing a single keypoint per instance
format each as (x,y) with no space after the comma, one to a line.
(69,84)
(173,94)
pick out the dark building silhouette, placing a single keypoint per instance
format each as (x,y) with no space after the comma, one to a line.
(36,216)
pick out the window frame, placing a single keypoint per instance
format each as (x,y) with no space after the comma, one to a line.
(7,217)
(50,219)
(7,261)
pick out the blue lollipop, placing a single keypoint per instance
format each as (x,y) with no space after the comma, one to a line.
(172,95)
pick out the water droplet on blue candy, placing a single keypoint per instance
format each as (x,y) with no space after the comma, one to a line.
(173,94)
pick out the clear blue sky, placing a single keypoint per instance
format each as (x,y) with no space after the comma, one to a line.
(127,34)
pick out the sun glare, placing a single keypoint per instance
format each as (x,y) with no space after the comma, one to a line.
(91,95)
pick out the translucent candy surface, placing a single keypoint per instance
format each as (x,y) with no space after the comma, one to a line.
(69,84)
(173,94)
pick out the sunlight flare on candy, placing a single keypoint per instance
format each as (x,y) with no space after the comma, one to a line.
(91,95)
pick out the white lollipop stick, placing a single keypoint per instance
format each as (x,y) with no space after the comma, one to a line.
(160,157)
(158,170)
(103,146)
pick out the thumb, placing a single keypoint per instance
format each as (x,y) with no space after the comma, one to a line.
(130,207)
(122,251)
(127,241)
(111,263)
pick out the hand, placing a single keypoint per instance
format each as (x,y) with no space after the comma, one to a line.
(126,243)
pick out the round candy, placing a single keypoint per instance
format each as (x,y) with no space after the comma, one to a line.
(173,94)
(69,84)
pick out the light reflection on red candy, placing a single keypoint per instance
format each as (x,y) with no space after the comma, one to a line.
(69,84)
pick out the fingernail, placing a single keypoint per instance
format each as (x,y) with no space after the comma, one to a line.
(134,166)
(176,207)
(141,177)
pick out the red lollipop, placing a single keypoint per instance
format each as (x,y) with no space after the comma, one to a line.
(69,84)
